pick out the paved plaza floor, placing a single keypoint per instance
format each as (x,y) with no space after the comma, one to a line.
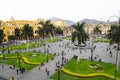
(65,46)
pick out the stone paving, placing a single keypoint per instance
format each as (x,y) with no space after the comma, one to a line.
(40,74)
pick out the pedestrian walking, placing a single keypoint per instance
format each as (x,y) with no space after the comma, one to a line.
(48,72)
(39,67)
(12,78)
(110,54)
(56,63)
(17,71)
(46,69)
(2,66)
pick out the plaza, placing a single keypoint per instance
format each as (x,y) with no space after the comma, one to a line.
(58,48)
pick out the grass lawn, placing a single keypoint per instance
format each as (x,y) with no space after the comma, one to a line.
(83,67)
(22,46)
(31,44)
(64,76)
(51,40)
(31,56)
(68,38)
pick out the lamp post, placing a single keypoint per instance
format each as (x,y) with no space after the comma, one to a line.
(91,54)
(47,55)
(3,60)
(117,55)
(91,48)
(19,57)
(44,47)
(62,58)
(46,51)
(58,71)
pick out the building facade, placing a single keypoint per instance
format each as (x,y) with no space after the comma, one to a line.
(89,28)
(102,26)
(9,27)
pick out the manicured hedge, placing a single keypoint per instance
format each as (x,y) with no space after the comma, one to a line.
(28,62)
(111,77)
(24,60)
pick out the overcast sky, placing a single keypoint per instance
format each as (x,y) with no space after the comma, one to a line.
(74,10)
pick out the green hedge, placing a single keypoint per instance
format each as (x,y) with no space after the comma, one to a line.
(25,60)
(87,75)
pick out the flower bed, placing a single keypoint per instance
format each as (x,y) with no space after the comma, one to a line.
(95,66)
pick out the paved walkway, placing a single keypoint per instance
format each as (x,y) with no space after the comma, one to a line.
(51,65)
(40,74)
(58,47)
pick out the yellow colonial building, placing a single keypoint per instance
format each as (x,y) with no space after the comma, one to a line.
(8,27)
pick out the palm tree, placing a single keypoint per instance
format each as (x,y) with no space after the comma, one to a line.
(59,31)
(11,38)
(40,33)
(114,37)
(97,30)
(46,29)
(1,36)
(27,33)
(17,33)
(79,33)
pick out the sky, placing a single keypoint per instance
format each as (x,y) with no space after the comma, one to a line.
(74,10)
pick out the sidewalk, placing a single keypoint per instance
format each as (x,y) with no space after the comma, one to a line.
(41,74)
(6,72)
(36,74)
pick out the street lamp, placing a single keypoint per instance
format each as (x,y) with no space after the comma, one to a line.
(91,54)
(92,48)
(117,62)
(3,60)
(47,55)
(19,57)
(44,47)
(58,71)
(62,58)
(46,51)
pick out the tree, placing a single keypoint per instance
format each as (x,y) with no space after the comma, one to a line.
(1,36)
(114,37)
(40,31)
(11,38)
(79,33)
(46,29)
(97,30)
(27,33)
(17,33)
(59,31)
